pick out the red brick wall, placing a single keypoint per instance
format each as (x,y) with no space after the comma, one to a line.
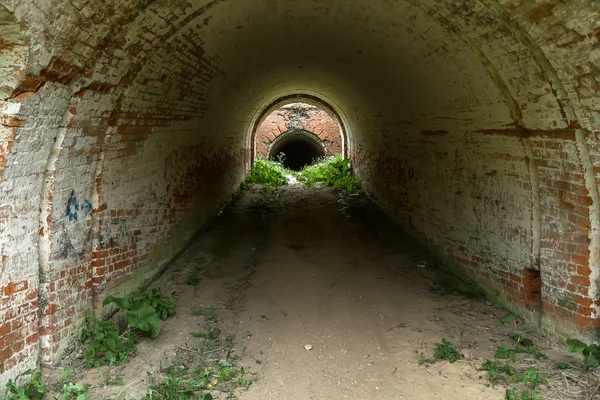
(508,208)
(299,116)
(105,180)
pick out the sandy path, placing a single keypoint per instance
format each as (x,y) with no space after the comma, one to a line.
(331,271)
(328,281)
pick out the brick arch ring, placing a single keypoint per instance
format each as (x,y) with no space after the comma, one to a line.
(307,98)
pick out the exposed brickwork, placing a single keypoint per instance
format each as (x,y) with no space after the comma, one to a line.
(124,126)
(299,116)
(483,221)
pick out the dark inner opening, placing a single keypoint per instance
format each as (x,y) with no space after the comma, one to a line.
(298,149)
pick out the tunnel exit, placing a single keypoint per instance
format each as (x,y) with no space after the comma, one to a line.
(297,149)
(298,133)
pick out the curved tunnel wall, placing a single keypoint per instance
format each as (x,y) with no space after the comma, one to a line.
(474,123)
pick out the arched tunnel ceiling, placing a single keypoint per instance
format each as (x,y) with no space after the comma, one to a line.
(473,123)
(491,63)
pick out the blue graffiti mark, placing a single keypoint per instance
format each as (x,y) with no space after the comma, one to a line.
(86,207)
(72,207)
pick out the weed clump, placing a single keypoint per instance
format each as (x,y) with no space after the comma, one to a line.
(332,171)
(32,388)
(590,353)
(106,344)
(270,174)
(144,312)
(447,351)
(204,375)
(35,389)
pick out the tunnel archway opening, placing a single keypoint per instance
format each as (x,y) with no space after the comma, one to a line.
(297,149)
(262,141)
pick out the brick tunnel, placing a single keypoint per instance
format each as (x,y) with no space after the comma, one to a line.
(127,125)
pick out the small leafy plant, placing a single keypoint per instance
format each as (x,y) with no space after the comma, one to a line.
(564,365)
(509,319)
(591,353)
(332,171)
(522,340)
(511,394)
(506,353)
(107,345)
(192,280)
(164,305)
(177,385)
(71,390)
(535,353)
(498,372)
(534,378)
(34,389)
(182,383)
(145,310)
(422,359)
(447,351)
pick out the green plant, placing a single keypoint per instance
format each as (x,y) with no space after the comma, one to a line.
(508,319)
(534,378)
(145,310)
(246,384)
(535,353)
(177,385)
(71,390)
(66,375)
(208,374)
(591,353)
(510,394)
(564,365)
(522,340)
(108,378)
(164,305)
(527,395)
(33,389)
(107,345)
(225,373)
(506,353)
(446,351)
(192,280)
(498,371)
(270,174)
(332,171)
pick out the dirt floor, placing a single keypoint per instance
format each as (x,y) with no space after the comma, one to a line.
(328,272)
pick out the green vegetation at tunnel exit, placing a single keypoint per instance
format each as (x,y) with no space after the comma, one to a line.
(269,174)
(331,171)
